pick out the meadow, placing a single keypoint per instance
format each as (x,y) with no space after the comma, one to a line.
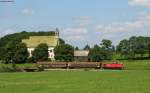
(104,81)
(135,78)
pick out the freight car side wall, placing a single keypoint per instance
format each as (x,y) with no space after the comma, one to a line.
(70,65)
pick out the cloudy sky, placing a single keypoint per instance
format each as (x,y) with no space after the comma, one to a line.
(80,21)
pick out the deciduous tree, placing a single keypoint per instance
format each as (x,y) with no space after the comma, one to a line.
(41,52)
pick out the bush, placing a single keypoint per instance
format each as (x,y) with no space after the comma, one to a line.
(96,58)
(30,60)
(67,58)
(7,69)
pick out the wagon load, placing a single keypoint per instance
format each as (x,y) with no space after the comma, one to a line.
(95,65)
(48,65)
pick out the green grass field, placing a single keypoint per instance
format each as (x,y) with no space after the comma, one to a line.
(135,78)
(76,82)
(137,64)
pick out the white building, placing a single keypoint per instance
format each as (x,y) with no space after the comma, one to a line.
(34,41)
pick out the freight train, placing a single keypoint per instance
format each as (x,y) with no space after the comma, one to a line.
(80,65)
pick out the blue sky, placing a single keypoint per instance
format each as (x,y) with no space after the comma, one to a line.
(80,21)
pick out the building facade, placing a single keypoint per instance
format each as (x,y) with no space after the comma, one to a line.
(33,41)
(81,56)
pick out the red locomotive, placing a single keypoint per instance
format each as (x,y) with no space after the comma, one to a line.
(113,66)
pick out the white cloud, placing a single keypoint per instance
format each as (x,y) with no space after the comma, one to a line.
(83,21)
(114,31)
(74,35)
(74,31)
(139,24)
(117,31)
(27,12)
(144,3)
(78,34)
(75,38)
(4,32)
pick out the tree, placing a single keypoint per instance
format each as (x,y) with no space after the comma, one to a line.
(123,48)
(64,52)
(21,53)
(148,49)
(76,48)
(95,54)
(107,44)
(106,49)
(2,53)
(41,52)
(87,47)
(134,47)
(15,53)
(61,41)
(10,50)
(141,46)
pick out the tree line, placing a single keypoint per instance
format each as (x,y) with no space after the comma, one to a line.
(13,51)
(134,48)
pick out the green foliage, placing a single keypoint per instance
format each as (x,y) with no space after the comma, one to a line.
(66,58)
(106,44)
(21,53)
(102,52)
(7,69)
(15,53)
(64,52)
(16,38)
(40,53)
(87,47)
(134,46)
(76,48)
(30,60)
(95,54)
(9,44)
(96,58)
(61,41)
(107,49)
(10,50)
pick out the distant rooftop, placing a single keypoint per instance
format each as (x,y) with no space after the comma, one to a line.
(81,53)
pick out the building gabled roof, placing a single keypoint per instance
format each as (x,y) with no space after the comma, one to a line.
(34,41)
(81,53)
